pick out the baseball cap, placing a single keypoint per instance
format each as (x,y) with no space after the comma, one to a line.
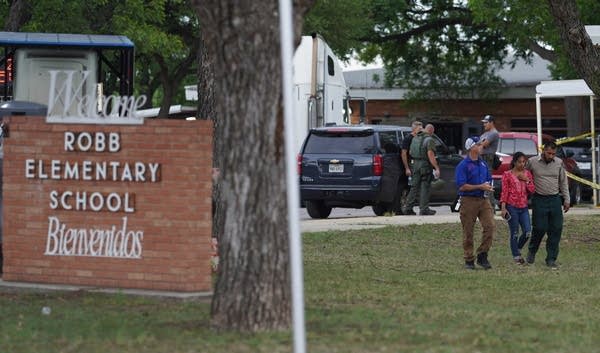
(470,142)
(487,119)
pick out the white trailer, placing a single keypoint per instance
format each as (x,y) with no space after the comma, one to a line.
(320,94)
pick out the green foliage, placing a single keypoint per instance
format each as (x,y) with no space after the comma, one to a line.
(342,23)
(393,289)
(446,48)
(528,23)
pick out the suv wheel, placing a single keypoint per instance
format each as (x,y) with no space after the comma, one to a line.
(575,194)
(381,208)
(317,209)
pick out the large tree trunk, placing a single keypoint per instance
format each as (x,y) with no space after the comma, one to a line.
(583,55)
(18,14)
(252,292)
(206,84)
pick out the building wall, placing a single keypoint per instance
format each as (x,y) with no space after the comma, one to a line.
(166,224)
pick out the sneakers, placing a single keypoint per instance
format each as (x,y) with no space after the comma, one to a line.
(519,260)
(530,257)
(483,261)
(470,265)
(427,212)
(552,265)
(408,212)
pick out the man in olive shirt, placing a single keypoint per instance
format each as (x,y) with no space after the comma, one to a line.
(551,194)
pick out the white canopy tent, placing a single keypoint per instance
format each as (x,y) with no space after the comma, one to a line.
(571,88)
(568,88)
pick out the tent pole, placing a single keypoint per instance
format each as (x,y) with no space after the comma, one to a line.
(538,109)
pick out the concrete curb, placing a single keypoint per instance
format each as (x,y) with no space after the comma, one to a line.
(6,286)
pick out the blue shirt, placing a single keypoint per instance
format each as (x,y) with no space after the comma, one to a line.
(473,172)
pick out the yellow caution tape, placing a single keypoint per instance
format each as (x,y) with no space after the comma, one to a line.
(583,181)
(562,140)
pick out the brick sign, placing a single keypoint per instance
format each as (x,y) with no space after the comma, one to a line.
(119,206)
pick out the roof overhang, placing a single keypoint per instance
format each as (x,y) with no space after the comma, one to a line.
(564,88)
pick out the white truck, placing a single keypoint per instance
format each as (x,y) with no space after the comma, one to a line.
(320,93)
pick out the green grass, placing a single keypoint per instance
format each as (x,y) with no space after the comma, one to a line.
(395,289)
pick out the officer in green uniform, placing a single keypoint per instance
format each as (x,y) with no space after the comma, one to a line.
(422,151)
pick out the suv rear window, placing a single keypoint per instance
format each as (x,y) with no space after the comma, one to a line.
(346,142)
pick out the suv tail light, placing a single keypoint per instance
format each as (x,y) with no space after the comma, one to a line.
(377,165)
(299,164)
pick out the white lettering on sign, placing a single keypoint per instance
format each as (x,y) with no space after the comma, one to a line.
(69,103)
(138,172)
(92,142)
(94,201)
(112,242)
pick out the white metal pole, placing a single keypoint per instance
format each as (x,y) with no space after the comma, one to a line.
(538,109)
(594,154)
(293,198)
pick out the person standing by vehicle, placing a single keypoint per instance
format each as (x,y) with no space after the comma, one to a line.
(424,168)
(489,141)
(517,185)
(551,193)
(473,181)
(406,161)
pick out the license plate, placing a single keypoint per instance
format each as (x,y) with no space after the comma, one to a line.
(584,165)
(336,168)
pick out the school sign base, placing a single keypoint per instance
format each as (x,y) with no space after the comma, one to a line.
(109,206)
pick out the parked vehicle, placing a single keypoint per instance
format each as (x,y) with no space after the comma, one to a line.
(357,166)
(581,152)
(320,92)
(511,142)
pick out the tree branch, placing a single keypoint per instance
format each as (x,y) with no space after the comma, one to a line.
(405,36)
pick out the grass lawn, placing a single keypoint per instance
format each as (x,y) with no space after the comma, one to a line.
(394,289)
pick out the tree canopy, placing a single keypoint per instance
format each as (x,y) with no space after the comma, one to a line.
(446,48)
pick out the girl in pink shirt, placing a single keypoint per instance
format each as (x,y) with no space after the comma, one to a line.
(517,185)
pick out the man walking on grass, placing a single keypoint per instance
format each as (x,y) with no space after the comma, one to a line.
(550,199)
(473,181)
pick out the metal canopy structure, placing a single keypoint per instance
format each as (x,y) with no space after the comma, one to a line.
(568,88)
(121,68)
(571,88)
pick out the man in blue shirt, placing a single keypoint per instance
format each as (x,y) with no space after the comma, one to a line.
(474,183)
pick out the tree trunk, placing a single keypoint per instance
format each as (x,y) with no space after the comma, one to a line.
(582,54)
(252,291)
(18,14)
(206,84)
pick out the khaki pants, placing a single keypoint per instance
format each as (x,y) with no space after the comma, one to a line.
(472,208)
(489,160)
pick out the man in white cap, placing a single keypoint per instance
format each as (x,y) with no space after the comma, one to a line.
(474,181)
(489,143)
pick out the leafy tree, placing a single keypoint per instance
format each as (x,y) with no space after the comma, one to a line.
(432,47)
(529,28)
(252,291)
(582,54)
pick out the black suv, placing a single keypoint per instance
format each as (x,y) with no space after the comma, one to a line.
(581,152)
(357,166)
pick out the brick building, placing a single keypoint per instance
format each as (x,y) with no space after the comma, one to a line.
(514,109)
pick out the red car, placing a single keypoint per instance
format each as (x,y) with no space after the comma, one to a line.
(511,142)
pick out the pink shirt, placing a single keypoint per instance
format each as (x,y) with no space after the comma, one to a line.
(515,191)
